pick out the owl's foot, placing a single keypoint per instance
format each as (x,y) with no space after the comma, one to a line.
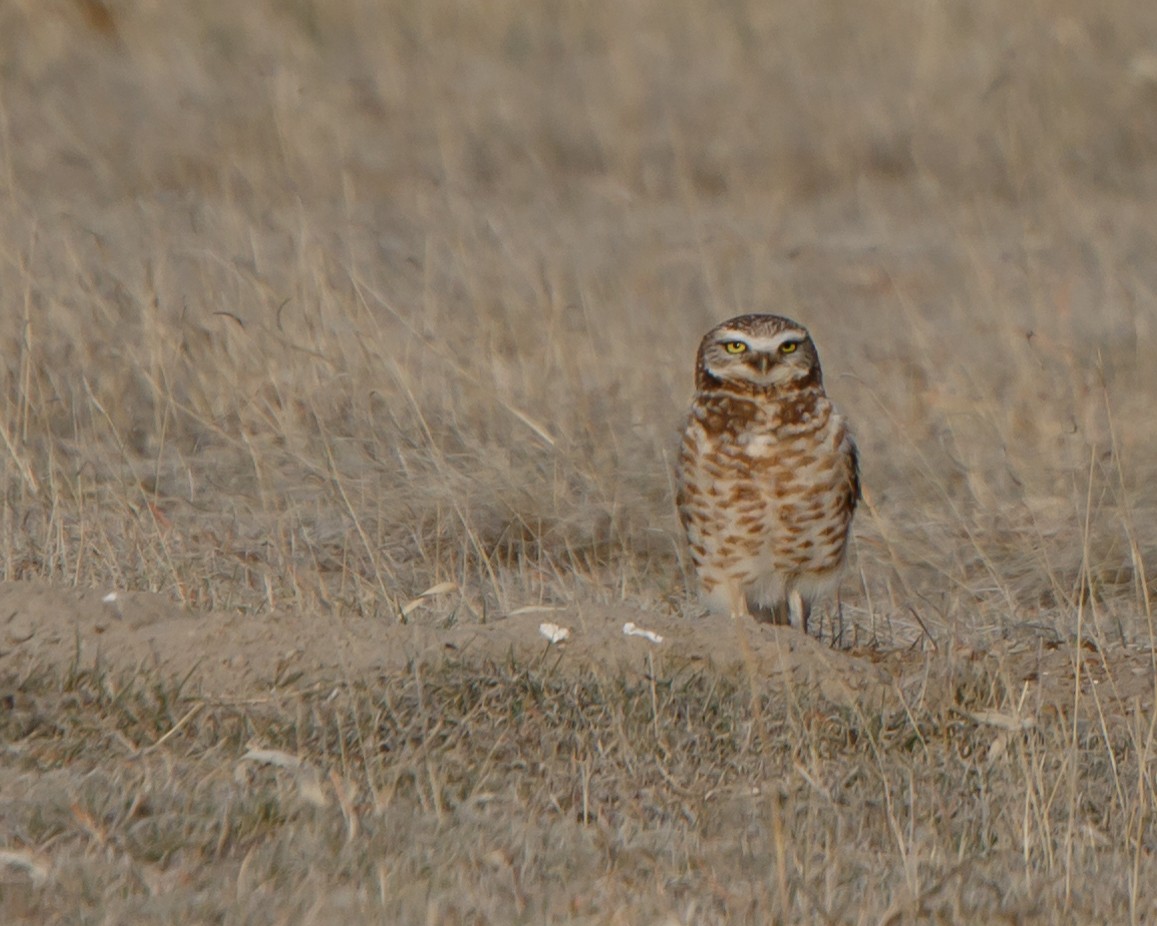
(794,611)
(771,614)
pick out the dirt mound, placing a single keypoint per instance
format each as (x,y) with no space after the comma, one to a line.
(235,654)
(242,655)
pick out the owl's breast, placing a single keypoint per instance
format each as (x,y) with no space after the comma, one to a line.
(778,490)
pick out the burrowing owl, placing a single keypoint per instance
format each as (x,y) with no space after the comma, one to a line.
(768,473)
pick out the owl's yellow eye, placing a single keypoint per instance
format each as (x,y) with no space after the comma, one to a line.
(735,347)
(788,347)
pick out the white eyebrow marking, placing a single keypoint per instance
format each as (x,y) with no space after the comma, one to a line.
(762,344)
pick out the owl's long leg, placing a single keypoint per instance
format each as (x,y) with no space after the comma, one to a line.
(799,609)
(737,601)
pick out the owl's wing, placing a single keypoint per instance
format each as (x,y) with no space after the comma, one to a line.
(684,463)
(854,453)
(681,491)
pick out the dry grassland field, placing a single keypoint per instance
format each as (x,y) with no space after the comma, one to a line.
(343,344)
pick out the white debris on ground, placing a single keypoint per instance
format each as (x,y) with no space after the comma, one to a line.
(633,630)
(553,632)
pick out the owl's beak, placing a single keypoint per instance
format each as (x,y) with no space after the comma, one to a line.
(763,363)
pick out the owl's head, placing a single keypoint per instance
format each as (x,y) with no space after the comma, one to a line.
(758,353)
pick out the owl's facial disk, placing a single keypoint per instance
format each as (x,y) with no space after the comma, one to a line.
(764,360)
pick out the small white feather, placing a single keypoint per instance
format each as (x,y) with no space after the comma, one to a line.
(633,630)
(553,632)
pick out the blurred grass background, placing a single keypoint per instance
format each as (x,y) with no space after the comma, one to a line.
(320,305)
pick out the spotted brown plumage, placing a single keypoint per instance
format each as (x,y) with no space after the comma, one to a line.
(768,472)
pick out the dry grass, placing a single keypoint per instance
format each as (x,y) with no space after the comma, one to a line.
(314,306)
(500,793)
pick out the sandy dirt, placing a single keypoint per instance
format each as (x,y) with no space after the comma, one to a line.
(235,654)
(250,655)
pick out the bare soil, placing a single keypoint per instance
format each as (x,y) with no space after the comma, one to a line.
(227,656)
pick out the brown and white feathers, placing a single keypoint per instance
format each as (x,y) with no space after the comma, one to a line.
(768,473)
